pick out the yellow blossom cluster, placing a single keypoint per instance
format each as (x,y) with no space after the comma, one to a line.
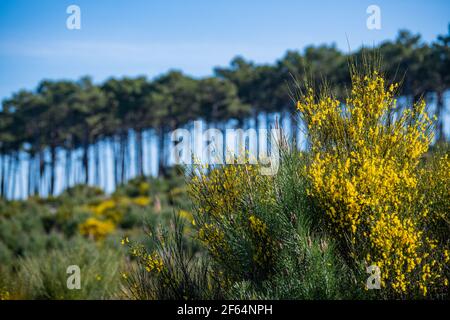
(220,190)
(214,238)
(107,214)
(364,173)
(154,263)
(96,229)
(4,294)
(223,195)
(434,181)
(114,208)
(263,253)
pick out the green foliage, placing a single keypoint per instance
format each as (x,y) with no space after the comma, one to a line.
(169,270)
(45,276)
(260,242)
(261,246)
(250,237)
(80,116)
(21,228)
(40,238)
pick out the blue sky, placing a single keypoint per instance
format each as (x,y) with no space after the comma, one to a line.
(134,37)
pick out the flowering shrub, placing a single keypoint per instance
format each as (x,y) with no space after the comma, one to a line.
(225,198)
(4,294)
(364,174)
(169,270)
(116,207)
(220,191)
(367,192)
(109,213)
(434,185)
(97,229)
(152,262)
(253,229)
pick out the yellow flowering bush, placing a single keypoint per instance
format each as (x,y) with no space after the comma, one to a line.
(221,190)
(187,216)
(214,238)
(105,205)
(365,175)
(154,263)
(144,188)
(258,234)
(225,199)
(116,207)
(96,229)
(217,195)
(4,294)
(142,201)
(263,243)
(167,270)
(110,209)
(151,261)
(434,185)
(221,199)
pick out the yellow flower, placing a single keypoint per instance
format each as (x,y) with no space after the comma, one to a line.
(154,263)
(364,173)
(96,228)
(142,201)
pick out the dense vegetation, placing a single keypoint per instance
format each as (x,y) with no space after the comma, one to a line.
(370,188)
(40,238)
(367,193)
(70,124)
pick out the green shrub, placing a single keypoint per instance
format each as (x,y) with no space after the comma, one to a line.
(45,277)
(168,269)
(259,239)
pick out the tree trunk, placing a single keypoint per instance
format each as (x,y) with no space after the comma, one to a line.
(14,166)
(440,136)
(161,165)
(41,171)
(295,130)
(122,157)
(30,176)
(36,178)
(139,154)
(2,175)
(9,176)
(256,126)
(105,166)
(68,168)
(85,161)
(6,176)
(97,164)
(52,169)
(116,161)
